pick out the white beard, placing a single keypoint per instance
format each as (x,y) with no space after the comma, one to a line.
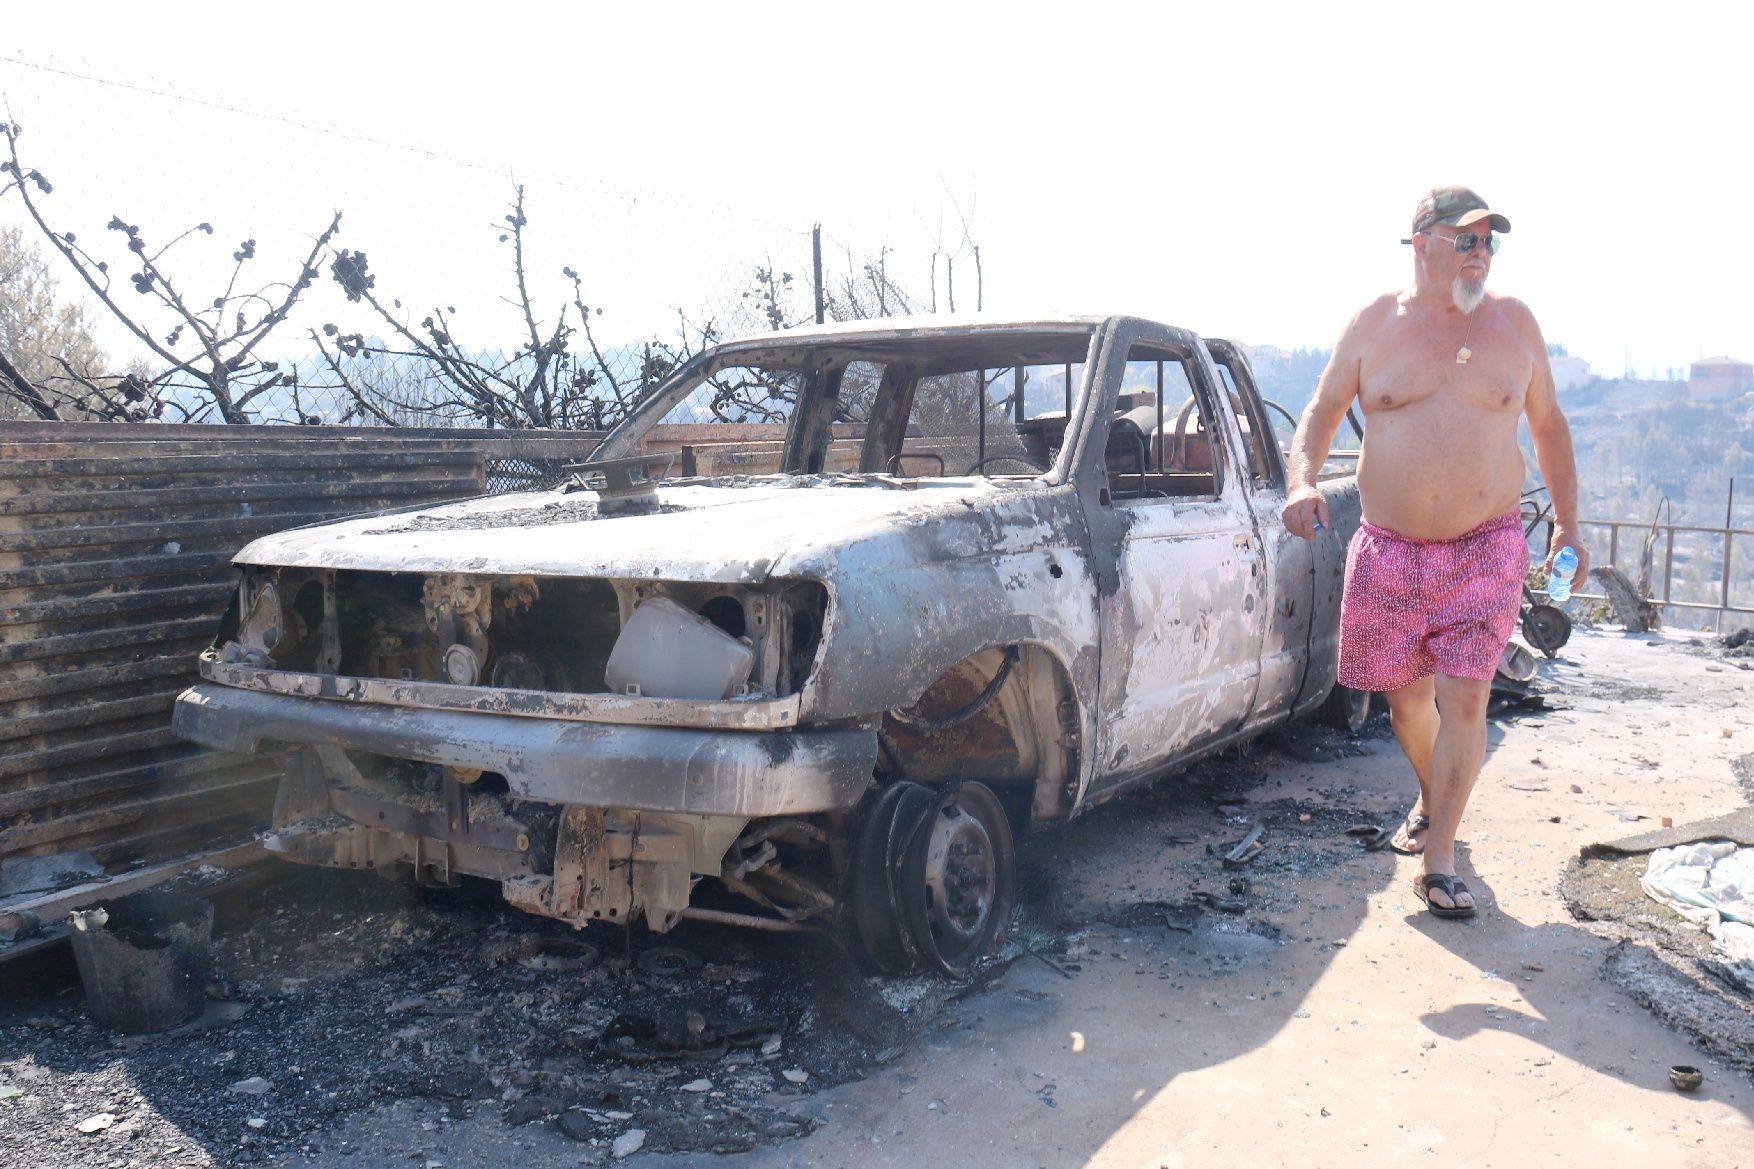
(1467,291)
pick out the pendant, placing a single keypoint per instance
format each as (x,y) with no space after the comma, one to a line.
(1463,354)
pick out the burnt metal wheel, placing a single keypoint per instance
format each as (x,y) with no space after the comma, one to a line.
(958,879)
(1547,628)
(1346,709)
(888,823)
(933,878)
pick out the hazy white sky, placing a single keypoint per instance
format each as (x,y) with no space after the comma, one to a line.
(1245,170)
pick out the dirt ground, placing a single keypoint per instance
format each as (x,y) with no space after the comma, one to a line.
(1151,1009)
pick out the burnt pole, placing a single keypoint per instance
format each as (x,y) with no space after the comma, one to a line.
(816,262)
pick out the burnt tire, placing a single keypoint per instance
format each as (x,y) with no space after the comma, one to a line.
(1547,628)
(932,880)
(958,880)
(1345,709)
(879,936)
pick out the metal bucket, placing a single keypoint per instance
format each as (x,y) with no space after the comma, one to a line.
(143,959)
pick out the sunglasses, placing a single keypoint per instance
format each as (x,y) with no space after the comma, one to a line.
(1466,242)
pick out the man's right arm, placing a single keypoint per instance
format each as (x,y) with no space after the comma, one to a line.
(1305,508)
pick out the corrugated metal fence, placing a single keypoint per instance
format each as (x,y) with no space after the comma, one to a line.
(115,543)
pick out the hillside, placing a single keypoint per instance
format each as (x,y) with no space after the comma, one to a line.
(1639,441)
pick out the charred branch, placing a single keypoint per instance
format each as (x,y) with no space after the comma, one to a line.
(220,367)
(16,386)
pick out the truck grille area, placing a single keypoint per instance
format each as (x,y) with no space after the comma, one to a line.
(531,634)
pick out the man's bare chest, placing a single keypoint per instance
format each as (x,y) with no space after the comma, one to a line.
(1406,367)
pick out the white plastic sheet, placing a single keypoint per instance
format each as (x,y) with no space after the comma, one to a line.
(1711,884)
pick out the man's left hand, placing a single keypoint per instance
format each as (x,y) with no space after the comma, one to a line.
(1562,537)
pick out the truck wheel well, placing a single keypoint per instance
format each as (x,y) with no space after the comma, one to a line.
(1005,716)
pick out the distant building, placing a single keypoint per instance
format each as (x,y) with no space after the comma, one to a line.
(1716,379)
(1571,372)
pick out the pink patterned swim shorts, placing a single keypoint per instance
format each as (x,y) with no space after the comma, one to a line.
(1413,608)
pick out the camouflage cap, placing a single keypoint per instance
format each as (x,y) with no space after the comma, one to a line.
(1457,207)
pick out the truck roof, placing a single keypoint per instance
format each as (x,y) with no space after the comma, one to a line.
(921,326)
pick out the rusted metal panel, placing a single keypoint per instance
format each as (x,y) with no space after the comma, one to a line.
(115,561)
(163,632)
(339,497)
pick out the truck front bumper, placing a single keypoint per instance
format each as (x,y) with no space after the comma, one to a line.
(645,768)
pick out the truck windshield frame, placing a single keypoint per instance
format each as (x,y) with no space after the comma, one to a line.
(903,359)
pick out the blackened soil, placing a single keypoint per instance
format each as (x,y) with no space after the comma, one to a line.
(354,993)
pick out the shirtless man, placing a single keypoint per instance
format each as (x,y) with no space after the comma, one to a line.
(1434,576)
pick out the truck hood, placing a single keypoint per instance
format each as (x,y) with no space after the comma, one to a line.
(704,532)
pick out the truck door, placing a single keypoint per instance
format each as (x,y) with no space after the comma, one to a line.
(1285,648)
(1182,631)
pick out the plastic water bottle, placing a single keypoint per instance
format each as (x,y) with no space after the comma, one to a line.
(1559,580)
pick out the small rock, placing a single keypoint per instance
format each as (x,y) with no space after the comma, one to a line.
(1576,790)
(532,1108)
(700,1085)
(254,1086)
(628,1143)
(96,1123)
(256,1122)
(579,1126)
(796,1075)
(10,1092)
(770,1046)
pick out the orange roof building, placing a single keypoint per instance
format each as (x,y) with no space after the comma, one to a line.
(1719,378)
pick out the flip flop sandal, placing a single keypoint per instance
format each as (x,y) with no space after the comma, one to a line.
(1453,887)
(1403,841)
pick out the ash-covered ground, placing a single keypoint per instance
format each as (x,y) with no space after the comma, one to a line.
(343,992)
(337,994)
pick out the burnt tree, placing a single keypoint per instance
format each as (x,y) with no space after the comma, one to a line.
(207,346)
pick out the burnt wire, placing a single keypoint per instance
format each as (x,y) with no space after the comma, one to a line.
(924,726)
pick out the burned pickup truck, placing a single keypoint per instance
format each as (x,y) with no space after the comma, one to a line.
(833,615)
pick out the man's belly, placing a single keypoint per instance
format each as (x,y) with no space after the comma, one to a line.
(1433,484)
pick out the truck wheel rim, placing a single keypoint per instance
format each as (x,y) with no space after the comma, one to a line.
(958,880)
